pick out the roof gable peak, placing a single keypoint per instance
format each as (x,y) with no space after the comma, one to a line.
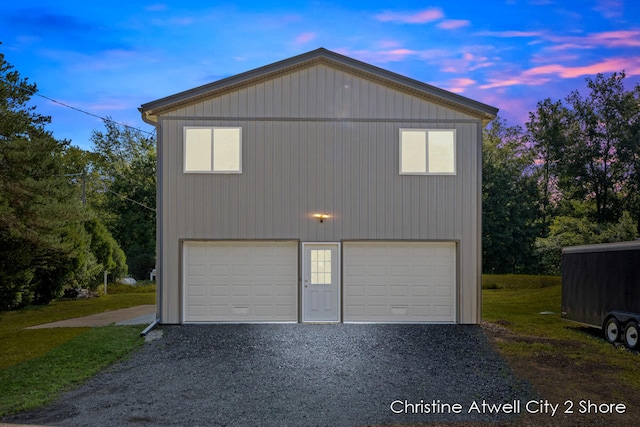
(321,55)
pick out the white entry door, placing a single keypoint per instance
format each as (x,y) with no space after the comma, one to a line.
(320,282)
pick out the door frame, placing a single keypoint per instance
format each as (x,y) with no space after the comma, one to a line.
(338,286)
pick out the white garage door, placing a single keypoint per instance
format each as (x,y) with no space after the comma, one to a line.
(240,281)
(399,282)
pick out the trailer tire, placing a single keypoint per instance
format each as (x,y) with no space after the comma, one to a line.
(612,330)
(631,338)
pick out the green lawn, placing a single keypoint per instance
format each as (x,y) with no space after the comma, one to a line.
(36,364)
(519,309)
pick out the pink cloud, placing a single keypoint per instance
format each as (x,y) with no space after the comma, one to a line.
(304,38)
(388,44)
(630,65)
(510,34)
(452,24)
(392,55)
(617,38)
(460,85)
(514,81)
(422,17)
(623,38)
(540,75)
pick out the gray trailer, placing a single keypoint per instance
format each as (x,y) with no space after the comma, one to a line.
(601,288)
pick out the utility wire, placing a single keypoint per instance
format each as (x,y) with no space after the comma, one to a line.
(131,200)
(33,92)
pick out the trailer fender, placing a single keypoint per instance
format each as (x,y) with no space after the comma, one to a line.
(623,317)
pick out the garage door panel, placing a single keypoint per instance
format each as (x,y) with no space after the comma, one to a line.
(399,282)
(218,290)
(240,281)
(197,291)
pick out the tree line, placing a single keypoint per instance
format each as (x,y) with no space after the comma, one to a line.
(571,176)
(67,214)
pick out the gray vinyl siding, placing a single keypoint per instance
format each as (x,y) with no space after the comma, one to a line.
(319,92)
(320,140)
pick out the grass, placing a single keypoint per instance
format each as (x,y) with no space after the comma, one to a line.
(518,305)
(36,364)
(518,281)
(21,344)
(38,381)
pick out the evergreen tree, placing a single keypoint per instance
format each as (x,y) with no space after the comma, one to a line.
(41,217)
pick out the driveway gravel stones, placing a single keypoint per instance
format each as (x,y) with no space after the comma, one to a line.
(295,375)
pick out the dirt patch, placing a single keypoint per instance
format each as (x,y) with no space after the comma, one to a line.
(581,389)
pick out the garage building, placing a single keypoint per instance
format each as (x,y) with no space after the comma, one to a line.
(319,189)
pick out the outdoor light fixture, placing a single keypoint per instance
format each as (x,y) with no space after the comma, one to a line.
(321,216)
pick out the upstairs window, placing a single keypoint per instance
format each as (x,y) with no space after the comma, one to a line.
(427,152)
(212,150)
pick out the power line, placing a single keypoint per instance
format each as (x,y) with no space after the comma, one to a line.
(33,92)
(131,200)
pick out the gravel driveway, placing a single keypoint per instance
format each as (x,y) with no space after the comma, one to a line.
(294,375)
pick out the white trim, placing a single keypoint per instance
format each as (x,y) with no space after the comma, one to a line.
(303,261)
(427,131)
(212,151)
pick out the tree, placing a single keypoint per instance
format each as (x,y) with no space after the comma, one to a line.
(599,130)
(546,135)
(510,202)
(41,217)
(127,163)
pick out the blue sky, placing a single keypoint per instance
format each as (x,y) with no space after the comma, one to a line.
(108,60)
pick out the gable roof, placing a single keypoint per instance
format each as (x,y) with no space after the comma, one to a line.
(151,110)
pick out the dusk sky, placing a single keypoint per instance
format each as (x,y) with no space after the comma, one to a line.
(510,54)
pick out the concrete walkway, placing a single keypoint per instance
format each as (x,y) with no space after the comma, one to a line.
(139,315)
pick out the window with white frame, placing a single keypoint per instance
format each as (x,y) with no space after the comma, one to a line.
(427,152)
(213,149)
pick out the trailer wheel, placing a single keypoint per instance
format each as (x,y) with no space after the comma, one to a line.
(631,338)
(612,330)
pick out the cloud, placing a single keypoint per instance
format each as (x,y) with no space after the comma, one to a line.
(453,24)
(422,17)
(158,7)
(510,34)
(460,85)
(514,81)
(609,39)
(388,44)
(610,8)
(630,65)
(540,75)
(304,38)
(176,21)
(396,54)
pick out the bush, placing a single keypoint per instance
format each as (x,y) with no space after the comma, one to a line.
(571,231)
